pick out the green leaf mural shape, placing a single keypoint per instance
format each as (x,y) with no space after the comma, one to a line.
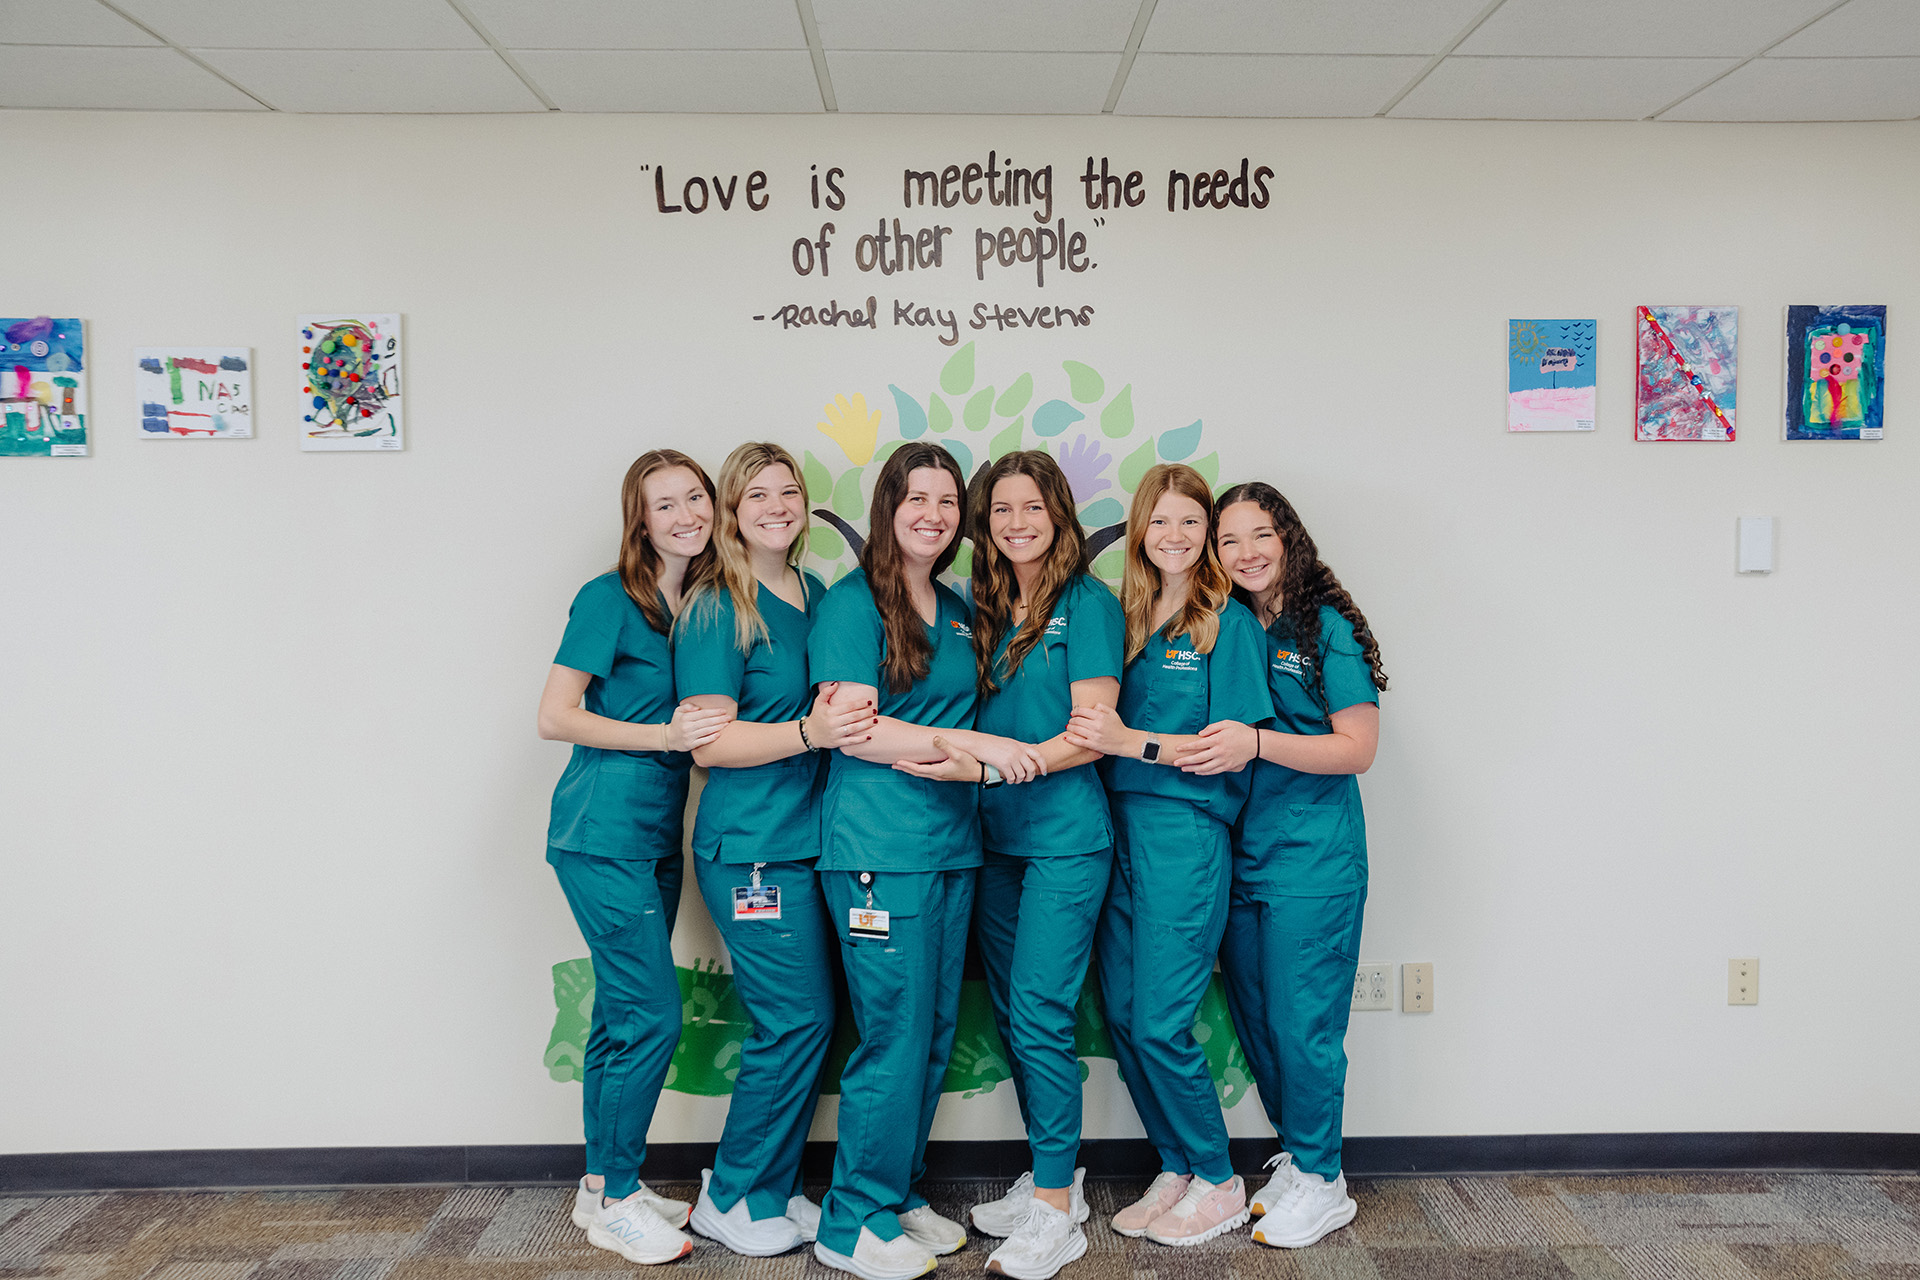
(938,415)
(1016,397)
(979,410)
(957,375)
(962,561)
(1086,385)
(961,454)
(1102,512)
(1006,442)
(1116,419)
(819,483)
(824,540)
(847,502)
(1053,417)
(913,419)
(886,450)
(1135,465)
(1178,445)
(1110,563)
(1209,467)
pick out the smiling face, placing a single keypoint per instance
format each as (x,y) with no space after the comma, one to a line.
(928,517)
(1251,549)
(1018,522)
(772,511)
(679,515)
(1176,535)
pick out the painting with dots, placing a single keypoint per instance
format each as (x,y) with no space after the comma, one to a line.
(350,388)
(43,388)
(1836,372)
(1688,373)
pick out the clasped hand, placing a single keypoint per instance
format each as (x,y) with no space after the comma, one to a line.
(1016,761)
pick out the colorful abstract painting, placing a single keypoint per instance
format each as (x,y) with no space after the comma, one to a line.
(1550,375)
(1687,373)
(194,393)
(1836,372)
(43,388)
(350,393)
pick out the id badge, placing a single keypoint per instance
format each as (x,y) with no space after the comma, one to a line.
(756,902)
(867,922)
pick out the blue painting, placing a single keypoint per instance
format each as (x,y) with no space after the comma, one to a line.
(1550,375)
(1836,372)
(43,388)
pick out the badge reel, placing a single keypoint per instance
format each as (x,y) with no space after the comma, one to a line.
(867,921)
(756,901)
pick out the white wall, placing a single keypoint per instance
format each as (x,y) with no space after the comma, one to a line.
(272,808)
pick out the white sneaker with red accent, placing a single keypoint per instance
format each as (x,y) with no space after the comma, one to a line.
(633,1230)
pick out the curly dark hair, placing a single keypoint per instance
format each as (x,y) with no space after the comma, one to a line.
(1306,582)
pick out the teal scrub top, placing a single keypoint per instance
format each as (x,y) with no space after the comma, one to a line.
(619,804)
(873,817)
(766,813)
(1059,813)
(1171,688)
(1303,834)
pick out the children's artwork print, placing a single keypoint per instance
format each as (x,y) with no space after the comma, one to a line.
(350,398)
(1550,375)
(43,388)
(1836,372)
(1687,373)
(194,393)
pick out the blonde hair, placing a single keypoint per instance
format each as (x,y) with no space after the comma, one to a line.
(1208,587)
(640,564)
(731,568)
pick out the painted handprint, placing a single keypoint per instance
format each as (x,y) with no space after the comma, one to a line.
(852,427)
(1083,460)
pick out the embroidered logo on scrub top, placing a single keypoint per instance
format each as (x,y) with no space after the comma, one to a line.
(1182,660)
(1056,628)
(1292,663)
(966,632)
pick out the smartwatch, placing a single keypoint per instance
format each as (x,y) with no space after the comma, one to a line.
(1151,752)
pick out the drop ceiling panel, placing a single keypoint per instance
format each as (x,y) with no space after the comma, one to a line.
(376,80)
(1308,26)
(973,83)
(66,22)
(716,80)
(299,24)
(1862,28)
(1200,84)
(1055,26)
(1639,28)
(641,24)
(132,79)
(1555,88)
(1810,89)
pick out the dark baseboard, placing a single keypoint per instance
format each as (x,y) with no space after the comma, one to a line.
(1104,1158)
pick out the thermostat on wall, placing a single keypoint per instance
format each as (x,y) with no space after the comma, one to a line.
(1754,551)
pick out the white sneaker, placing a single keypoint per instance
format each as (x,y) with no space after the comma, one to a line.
(1284,1169)
(1003,1217)
(1045,1242)
(937,1234)
(804,1214)
(633,1230)
(738,1229)
(587,1205)
(900,1258)
(1308,1209)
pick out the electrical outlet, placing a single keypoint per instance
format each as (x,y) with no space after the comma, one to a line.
(1743,981)
(1416,988)
(1373,987)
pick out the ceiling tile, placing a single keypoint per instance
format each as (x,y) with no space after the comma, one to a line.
(1639,28)
(1555,88)
(133,79)
(641,24)
(66,22)
(299,24)
(1058,26)
(1861,28)
(1308,26)
(972,83)
(376,80)
(1810,89)
(716,80)
(1278,84)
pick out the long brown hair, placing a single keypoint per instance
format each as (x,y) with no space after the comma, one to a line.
(909,656)
(731,567)
(639,563)
(995,586)
(1208,587)
(1306,583)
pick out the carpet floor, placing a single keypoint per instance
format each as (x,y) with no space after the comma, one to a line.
(1620,1227)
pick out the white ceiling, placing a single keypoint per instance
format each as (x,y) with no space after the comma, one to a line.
(1716,60)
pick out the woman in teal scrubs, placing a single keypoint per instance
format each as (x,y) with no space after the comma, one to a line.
(1192,659)
(898,857)
(1299,850)
(741,647)
(614,835)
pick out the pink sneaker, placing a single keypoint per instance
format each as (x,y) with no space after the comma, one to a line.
(1161,1196)
(1204,1212)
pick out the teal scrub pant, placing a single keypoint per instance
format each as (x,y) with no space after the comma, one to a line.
(905,996)
(1035,918)
(625,910)
(783,970)
(1166,910)
(1289,966)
